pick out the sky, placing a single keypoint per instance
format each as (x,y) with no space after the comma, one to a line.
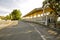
(25,6)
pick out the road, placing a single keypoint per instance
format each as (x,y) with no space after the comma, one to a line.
(25,31)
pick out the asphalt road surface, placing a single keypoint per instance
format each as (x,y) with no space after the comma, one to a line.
(25,31)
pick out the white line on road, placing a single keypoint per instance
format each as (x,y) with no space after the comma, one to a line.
(42,36)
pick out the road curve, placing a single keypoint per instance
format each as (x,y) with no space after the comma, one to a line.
(22,31)
(25,31)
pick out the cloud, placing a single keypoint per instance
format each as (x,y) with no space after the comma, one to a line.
(8,4)
(4,11)
(30,5)
(24,5)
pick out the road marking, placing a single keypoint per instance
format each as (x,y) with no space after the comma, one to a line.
(42,36)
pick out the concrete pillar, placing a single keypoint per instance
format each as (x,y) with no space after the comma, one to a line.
(46,21)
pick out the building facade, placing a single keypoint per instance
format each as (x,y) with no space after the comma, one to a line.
(39,15)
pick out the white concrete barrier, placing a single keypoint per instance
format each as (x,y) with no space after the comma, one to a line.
(42,20)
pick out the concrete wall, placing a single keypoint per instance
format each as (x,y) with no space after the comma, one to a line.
(42,19)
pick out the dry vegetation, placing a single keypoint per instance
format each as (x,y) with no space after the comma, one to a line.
(7,23)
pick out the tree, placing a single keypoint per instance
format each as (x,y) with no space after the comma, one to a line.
(16,15)
(8,17)
(55,6)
